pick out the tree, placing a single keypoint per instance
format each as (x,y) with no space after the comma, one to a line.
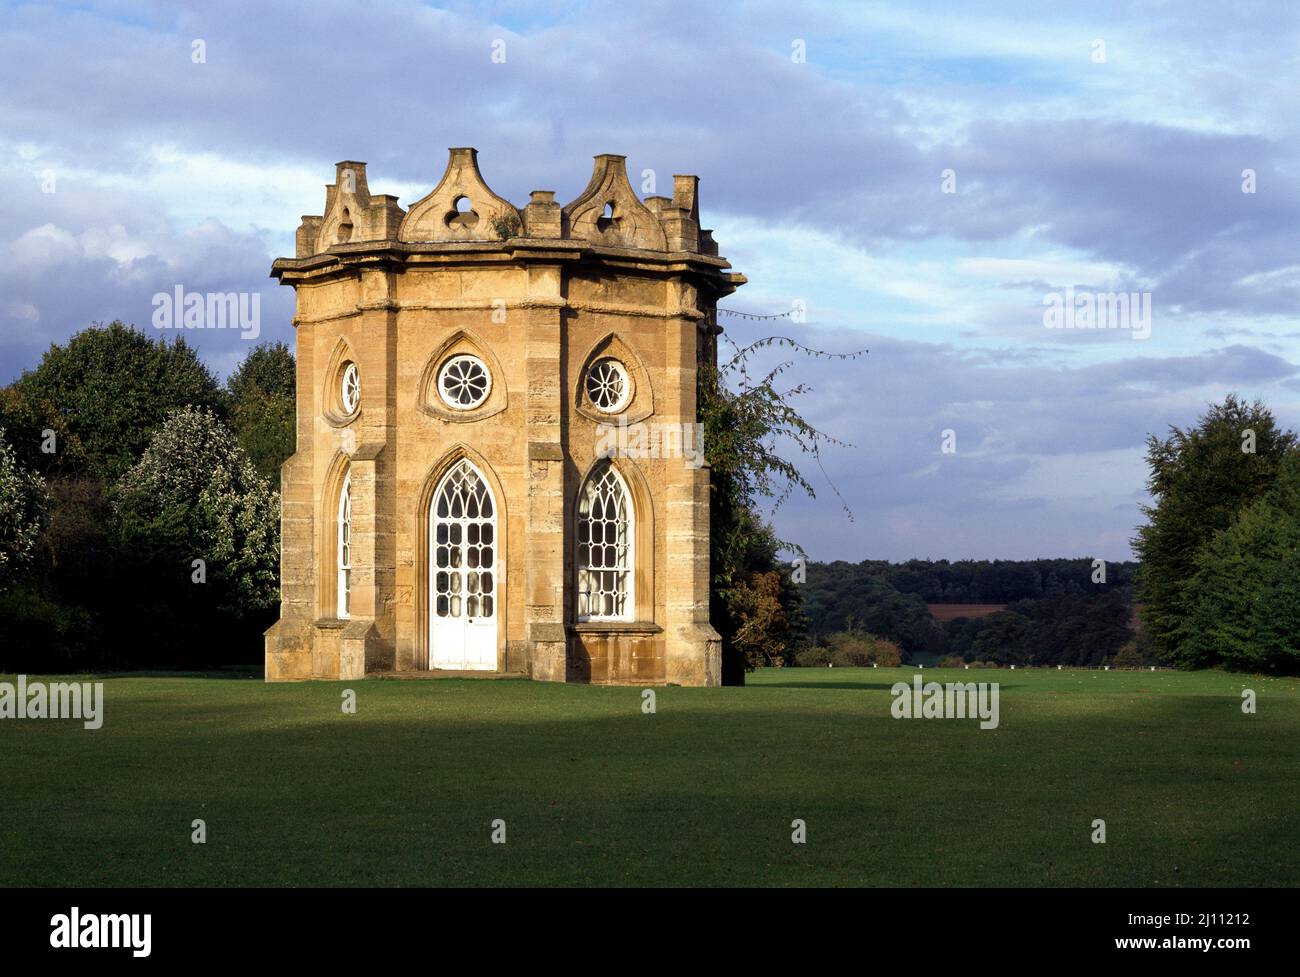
(1244,608)
(47,616)
(742,430)
(195,496)
(263,407)
(764,607)
(113,386)
(845,597)
(1200,480)
(852,649)
(268,368)
(24,502)
(1075,630)
(39,434)
(1003,639)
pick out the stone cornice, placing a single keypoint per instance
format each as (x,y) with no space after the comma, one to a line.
(486,305)
(398,255)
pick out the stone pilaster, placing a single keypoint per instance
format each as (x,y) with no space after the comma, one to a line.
(693,648)
(288,642)
(544,533)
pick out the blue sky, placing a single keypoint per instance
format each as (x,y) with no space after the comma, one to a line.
(822,178)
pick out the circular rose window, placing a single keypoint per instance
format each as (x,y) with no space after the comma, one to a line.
(350,390)
(464,382)
(607,385)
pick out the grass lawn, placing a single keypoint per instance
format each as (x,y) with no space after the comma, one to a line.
(592,791)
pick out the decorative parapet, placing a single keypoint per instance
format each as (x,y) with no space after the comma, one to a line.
(352,214)
(463,209)
(608,212)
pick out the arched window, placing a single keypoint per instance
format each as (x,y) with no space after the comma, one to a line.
(605,548)
(345,549)
(464,567)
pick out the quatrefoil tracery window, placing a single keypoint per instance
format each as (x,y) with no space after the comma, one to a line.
(608,387)
(464,382)
(350,388)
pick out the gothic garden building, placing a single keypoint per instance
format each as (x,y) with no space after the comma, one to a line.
(496,464)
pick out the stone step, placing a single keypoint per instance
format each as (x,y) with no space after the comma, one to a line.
(448,673)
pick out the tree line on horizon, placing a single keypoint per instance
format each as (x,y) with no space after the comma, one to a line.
(1058,611)
(1217,580)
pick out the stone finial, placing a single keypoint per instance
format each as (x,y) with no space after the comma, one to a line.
(608,211)
(352,213)
(542,216)
(462,207)
(686,195)
(681,219)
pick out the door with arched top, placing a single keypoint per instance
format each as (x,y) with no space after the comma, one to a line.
(463,604)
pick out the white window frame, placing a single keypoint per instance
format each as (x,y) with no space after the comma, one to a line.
(487,378)
(350,370)
(629,601)
(343,550)
(626,377)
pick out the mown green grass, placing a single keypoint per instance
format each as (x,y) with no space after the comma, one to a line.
(594,792)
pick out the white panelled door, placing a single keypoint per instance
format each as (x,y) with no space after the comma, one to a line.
(462,581)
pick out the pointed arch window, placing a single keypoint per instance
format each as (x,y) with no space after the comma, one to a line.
(344,555)
(464,546)
(605,550)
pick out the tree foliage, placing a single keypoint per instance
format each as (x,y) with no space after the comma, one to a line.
(263,407)
(269,368)
(24,503)
(39,434)
(842,601)
(996,581)
(1002,640)
(1071,620)
(852,649)
(113,386)
(1201,478)
(1244,598)
(194,495)
(747,421)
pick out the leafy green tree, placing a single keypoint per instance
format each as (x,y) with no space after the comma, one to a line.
(743,429)
(24,502)
(263,409)
(844,597)
(113,386)
(862,649)
(960,634)
(269,368)
(1244,610)
(39,434)
(1201,478)
(1003,639)
(194,495)
(763,603)
(1073,630)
